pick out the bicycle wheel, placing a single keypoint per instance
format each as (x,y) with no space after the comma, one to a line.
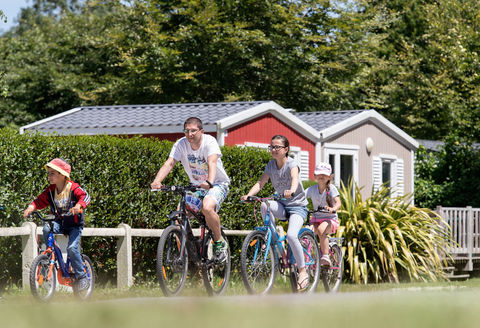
(311,254)
(215,275)
(88,267)
(332,276)
(258,263)
(43,278)
(171,266)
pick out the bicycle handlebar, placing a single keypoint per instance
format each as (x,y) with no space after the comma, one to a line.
(178,189)
(321,210)
(50,217)
(251,199)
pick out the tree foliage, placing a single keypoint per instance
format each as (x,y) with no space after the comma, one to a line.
(416,62)
(449,177)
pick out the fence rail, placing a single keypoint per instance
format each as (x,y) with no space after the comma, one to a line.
(124,233)
(464,223)
(465,226)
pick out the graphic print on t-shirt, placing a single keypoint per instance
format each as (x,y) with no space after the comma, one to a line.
(198,166)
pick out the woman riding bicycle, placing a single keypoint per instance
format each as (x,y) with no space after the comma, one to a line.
(283,171)
(324,196)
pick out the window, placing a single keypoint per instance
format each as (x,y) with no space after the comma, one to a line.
(344,162)
(388,170)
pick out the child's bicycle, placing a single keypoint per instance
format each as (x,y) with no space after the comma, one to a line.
(331,275)
(179,252)
(264,253)
(49,266)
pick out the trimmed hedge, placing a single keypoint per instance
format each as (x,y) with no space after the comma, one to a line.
(117,173)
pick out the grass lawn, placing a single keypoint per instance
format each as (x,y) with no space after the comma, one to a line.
(446,304)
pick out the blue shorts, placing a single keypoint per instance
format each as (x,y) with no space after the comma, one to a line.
(218,192)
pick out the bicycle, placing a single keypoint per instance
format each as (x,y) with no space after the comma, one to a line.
(49,267)
(178,250)
(331,275)
(263,254)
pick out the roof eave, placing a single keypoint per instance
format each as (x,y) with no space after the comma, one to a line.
(375,117)
(277,111)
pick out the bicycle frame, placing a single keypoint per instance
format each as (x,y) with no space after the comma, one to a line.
(279,249)
(187,233)
(334,241)
(64,277)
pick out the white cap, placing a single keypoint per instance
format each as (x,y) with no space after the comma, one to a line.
(323,168)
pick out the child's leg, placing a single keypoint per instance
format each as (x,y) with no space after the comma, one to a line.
(322,230)
(46,230)
(73,251)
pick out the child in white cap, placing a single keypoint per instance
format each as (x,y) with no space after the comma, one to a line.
(324,195)
(64,197)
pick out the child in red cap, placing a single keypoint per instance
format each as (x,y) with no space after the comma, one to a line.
(64,197)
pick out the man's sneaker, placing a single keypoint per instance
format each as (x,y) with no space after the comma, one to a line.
(83,283)
(221,251)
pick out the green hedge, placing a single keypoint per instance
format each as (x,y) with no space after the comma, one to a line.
(117,173)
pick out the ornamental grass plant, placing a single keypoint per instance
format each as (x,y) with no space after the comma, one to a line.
(387,239)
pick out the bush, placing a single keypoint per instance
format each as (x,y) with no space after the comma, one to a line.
(117,173)
(388,240)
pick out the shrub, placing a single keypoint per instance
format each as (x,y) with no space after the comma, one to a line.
(388,240)
(117,173)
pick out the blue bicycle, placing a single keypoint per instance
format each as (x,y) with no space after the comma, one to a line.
(264,253)
(49,267)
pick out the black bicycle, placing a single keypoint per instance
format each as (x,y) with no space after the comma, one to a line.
(180,253)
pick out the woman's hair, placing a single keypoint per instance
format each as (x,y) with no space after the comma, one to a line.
(285,141)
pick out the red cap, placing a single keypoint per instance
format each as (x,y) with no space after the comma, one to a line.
(60,165)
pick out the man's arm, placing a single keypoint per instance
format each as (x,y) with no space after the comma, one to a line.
(163,172)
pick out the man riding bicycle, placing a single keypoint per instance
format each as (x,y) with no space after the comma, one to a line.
(201,158)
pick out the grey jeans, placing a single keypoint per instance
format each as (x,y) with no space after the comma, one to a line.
(298,214)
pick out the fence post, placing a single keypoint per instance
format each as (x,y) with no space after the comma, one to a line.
(469,238)
(29,252)
(124,258)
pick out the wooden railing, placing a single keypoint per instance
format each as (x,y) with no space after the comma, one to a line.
(124,233)
(465,226)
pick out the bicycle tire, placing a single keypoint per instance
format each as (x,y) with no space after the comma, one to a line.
(311,254)
(215,275)
(86,293)
(258,272)
(43,289)
(171,269)
(332,276)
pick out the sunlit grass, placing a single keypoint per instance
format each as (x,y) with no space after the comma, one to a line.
(439,304)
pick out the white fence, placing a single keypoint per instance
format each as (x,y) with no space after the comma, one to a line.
(464,222)
(29,232)
(465,225)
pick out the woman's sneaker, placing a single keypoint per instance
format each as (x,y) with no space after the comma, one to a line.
(220,248)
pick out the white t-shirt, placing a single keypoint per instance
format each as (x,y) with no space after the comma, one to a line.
(195,162)
(320,200)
